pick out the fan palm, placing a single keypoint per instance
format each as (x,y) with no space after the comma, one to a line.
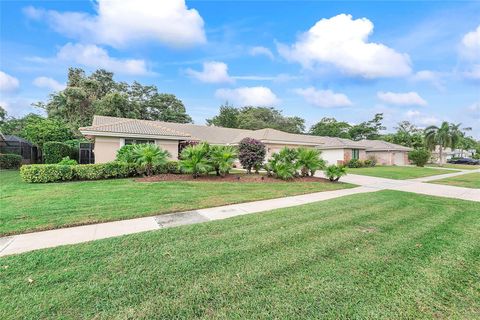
(148,155)
(309,161)
(194,159)
(334,172)
(447,135)
(222,158)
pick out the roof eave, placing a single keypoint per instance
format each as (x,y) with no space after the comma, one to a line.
(87,132)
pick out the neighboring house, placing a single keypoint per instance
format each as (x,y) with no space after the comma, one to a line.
(448,154)
(20,146)
(110,134)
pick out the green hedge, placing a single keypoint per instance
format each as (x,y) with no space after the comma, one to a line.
(10,161)
(54,152)
(43,173)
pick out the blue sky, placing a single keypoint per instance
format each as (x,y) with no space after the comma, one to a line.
(416,61)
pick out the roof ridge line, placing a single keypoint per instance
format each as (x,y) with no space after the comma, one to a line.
(109,124)
(153,124)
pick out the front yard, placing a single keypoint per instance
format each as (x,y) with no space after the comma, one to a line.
(469,180)
(29,207)
(386,255)
(455,166)
(398,172)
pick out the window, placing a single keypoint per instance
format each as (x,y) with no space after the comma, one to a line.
(355,154)
(139,141)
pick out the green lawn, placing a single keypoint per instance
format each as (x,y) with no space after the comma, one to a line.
(397,172)
(385,255)
(469,180)
(455,166)
(28,207)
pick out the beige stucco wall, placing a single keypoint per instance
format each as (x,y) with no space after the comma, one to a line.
(169,145)
(389,158)
(106,149)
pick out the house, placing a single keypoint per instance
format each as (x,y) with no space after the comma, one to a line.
(110,134)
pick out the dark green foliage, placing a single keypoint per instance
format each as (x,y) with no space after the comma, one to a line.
(251,153)
(148,155)
(42,173)
(68,162)
(355,163)
(54,152)
(195,159)
(10,161)
(330,127)
(370,162)
(419,157)
(255,118)
(42,130)
(222,158)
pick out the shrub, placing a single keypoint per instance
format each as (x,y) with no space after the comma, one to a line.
(355,163)
(251,153)
(168,167)
(68,162)
(148,155)
(54,152)
(369,163)
(10,161)
(125,154)
(75,145)
(222,159)
(334,172)
(284,164)
(310,161)
(42,173)
(194,159)
(419,157)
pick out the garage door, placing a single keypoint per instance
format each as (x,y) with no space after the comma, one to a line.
(399,159)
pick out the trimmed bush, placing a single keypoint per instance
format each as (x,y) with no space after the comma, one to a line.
(419,157)
(43,173)
(68,162)
(251,153)
(355,163)
(370,163)
(10,161)
(54,152)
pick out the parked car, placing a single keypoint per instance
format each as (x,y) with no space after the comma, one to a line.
(464,161)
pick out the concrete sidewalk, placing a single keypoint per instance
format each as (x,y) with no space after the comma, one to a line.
(58,237)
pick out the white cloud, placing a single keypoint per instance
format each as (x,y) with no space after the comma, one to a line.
(405,99)
(248,96)
(421,119)
(118,23)
(435,78)
(412,113)
(470,46)
(261,51)
(96,57)
(324,98)
(474,110)
(473,73)
(213,72)
(49,83)
(343,42)
(8,83)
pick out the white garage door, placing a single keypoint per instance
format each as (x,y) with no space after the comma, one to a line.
(399,160)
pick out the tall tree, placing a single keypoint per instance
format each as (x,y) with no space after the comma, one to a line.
(407,135)
(447,135)
(227,117)
(255,118)
(330,127)
(40,130)
(368,129)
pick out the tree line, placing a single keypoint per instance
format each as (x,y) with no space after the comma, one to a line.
(99,94)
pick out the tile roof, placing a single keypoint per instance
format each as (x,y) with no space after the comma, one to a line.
(220,135)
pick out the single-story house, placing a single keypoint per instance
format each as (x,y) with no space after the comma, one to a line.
(110,134)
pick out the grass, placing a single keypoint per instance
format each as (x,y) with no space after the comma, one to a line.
(455,166)
(388,255)
(397,172)
(469,180)
(29,207)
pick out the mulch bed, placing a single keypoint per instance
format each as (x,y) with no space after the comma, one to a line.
(240,178)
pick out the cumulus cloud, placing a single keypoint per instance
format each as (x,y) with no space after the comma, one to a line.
(343,42)
(8,83)
(49,83)
(118,23)
(96,57)
(213,72)
(470,46)
(412,113)
(249,96)
(324,98)
(261,51)
(402,99)
(474,110)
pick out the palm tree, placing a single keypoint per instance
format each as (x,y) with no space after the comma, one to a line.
(222,158)
(334,172)
(194,159)
(309,161)
(447,135)
(148,155)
